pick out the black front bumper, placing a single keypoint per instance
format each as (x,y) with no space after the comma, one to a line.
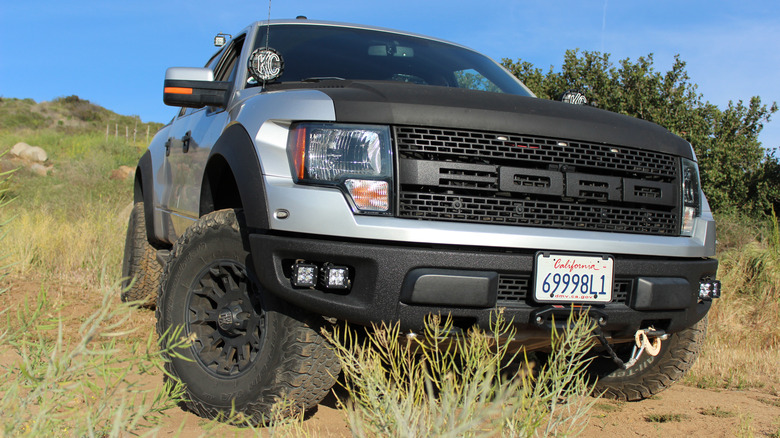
(654,291)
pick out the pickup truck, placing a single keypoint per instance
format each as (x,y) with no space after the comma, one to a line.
(319,172)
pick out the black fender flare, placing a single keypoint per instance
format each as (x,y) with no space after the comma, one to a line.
(235,152)
(143,191)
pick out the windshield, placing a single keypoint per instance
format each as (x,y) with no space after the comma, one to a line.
(312,52)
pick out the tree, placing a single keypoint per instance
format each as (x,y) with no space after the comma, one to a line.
(737,173)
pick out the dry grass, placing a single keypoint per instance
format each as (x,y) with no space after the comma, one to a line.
(743,343)
(75,249)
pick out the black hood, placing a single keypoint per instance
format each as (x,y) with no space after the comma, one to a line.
(419,105)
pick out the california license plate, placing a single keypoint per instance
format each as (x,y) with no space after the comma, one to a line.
(573,278)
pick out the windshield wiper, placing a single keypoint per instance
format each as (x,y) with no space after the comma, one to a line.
(322,78)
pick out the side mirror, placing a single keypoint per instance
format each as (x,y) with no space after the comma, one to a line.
(194,88)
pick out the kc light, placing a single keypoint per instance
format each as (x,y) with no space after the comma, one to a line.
(355,158)
(691,195)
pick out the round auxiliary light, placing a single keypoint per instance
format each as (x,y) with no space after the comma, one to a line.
(574,97)
(265,64)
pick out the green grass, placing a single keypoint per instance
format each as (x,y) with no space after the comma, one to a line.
(718,412)
(665,418)
(609,406)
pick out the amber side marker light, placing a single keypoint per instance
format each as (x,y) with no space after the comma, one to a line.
(177,90)
(299,151)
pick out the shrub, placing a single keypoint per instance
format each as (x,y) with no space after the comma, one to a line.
(440,386)
(90,386)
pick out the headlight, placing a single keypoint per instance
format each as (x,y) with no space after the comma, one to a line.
(356,158)
(691,195)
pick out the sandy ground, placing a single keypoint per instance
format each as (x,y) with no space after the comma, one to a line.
(679,411)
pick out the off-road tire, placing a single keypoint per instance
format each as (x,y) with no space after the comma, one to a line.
(140,270)
(650,375)
(252,349)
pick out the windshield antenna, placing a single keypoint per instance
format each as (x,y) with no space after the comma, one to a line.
(267,32)
(268,26)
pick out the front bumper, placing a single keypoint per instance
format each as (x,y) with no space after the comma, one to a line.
(383,275)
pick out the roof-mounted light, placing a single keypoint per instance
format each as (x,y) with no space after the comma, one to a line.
(221,39)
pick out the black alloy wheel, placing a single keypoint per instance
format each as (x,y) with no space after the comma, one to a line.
(227,318)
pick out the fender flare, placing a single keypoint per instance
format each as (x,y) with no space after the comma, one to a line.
(143,191)
(235,152)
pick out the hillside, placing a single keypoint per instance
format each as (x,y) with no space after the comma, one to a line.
(68,114)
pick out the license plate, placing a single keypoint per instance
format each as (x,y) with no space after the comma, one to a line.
(573,278)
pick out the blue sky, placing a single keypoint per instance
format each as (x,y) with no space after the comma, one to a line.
(115,53)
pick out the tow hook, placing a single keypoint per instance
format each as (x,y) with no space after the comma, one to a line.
(648,340)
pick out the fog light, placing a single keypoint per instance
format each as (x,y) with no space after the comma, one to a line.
(368,195)
(335,277)
(304,274)
(709,290)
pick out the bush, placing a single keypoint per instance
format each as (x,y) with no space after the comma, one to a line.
(90,386)
(459,387)
(737,173)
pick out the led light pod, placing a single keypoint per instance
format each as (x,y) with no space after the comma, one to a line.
(335,277)
(304,274)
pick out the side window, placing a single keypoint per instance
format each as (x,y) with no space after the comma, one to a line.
(212,64)
(227,68)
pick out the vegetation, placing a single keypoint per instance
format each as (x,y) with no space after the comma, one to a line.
(743,345)
(89,386)
(738,175)
(410,386)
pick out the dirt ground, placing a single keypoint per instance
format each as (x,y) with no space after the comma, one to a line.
(678,411)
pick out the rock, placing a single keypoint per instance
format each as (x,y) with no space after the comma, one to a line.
(30,153)
(122,173)
(19,148)
(40,169)
(35,154)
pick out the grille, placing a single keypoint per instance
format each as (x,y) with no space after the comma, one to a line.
(441,144)
(514,290)
(548,214)
(477,177)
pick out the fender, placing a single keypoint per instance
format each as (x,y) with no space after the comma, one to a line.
(143,191)
(233,155)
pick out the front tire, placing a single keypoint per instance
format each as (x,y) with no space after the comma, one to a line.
(251,350)
(650,375)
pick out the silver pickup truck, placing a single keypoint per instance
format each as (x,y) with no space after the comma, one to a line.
(321,171)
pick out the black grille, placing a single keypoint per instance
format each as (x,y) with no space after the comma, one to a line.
(477,177)
(514,290)
(549,214)
(444,144)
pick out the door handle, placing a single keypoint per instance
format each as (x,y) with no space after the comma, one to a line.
(185,142)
